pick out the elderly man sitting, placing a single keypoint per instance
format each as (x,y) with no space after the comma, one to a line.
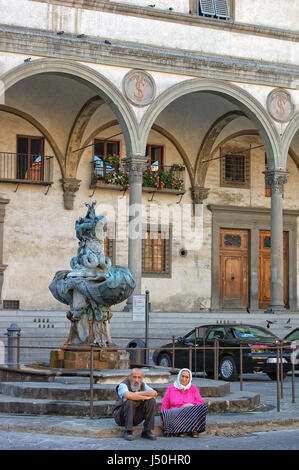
(135,403)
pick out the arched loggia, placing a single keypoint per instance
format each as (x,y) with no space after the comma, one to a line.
(93,79)
(27,117)
(246,102)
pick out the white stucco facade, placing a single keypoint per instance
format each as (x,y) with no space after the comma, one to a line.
(212,79)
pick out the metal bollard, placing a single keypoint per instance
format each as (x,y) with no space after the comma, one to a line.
(293,382)
(173,352)
(2,353)
(241,367)
(13,344)
(147,302)
(281,372)
(216,358)
(190,358)
(277,377)
(195,351)
(204,352)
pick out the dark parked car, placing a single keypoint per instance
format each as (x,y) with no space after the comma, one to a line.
(259,353)
(293,336)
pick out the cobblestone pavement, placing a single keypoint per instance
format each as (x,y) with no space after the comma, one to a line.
(271,440)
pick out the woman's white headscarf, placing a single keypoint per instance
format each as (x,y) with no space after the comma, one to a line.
(178,384)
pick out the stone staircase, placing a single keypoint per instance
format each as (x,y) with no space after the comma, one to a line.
(41,391)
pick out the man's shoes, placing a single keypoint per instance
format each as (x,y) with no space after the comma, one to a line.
(148,435)
(128,436)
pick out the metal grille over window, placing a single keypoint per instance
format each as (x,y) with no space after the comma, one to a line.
(235,170)
(154,252)
(11,304)
(232,240)
(267,242)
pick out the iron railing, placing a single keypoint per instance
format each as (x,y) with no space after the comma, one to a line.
(25,168)
(14,348)
(159,178)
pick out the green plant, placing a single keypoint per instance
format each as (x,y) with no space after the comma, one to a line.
(167,178)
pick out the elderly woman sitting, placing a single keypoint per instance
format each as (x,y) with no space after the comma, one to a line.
(183,409)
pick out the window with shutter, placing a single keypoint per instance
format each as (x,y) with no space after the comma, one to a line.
(206,8)
(219,9)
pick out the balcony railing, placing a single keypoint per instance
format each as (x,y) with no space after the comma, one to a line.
(167,179)
(25,168)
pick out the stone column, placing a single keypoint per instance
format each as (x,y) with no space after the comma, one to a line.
(135,165)
(276,179)
(3,203)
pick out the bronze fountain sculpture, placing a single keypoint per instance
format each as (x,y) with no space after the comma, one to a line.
(90,288)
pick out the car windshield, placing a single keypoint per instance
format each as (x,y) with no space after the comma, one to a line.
(191,335)
(293,336)
(251,332)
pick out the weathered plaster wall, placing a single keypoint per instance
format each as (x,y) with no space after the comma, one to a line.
(283,15)
(150,31)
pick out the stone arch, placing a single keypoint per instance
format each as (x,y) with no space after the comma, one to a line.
(178,147)
(201,164)
(248,132)
(156,128)
(73,154)
(248,104)
(27,117)
(95,80)
(289,134)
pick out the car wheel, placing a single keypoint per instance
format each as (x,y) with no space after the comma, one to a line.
(273,375)
(164,360)
(228,369)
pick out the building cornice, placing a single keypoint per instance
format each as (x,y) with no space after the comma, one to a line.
(175,17)
(262,211)
(130,55)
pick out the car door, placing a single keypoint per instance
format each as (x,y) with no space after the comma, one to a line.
(183,350)
(217,331)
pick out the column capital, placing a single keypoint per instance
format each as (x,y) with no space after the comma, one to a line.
(199,193)
(70,187)
(276,180)
(135,164)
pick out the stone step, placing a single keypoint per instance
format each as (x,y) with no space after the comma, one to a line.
(102,392)
(232,403)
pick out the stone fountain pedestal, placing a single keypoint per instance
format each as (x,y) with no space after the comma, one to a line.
(73,357)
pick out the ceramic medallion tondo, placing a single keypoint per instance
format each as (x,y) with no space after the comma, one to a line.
(139,87)
(279,105)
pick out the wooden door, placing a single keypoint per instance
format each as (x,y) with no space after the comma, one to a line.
(265,269)
(233,272)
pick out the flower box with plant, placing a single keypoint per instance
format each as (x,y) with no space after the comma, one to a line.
(112,172)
